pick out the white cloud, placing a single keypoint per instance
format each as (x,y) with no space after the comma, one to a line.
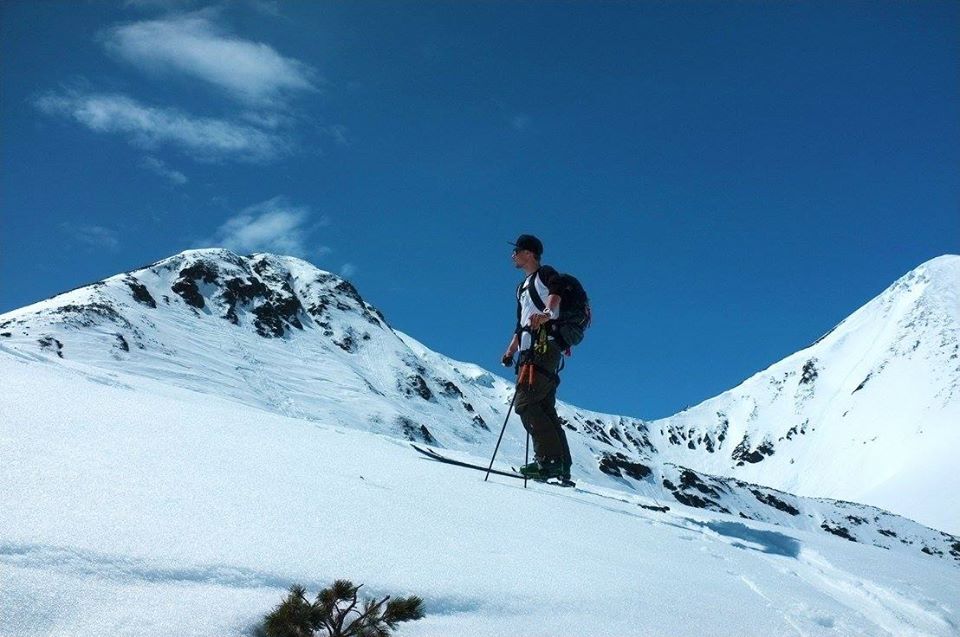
(158,167)
(348,270)
(194,45)
(202,138)
(95,236)
(274,226)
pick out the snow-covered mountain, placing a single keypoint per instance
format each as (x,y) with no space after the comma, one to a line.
(277,334)
(870,412)
(180,443)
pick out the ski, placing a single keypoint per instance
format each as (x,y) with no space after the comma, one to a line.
(433,455)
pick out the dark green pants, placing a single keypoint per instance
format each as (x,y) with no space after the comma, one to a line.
(536,406)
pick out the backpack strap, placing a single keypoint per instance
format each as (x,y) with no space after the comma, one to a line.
(532,290)
(531,283)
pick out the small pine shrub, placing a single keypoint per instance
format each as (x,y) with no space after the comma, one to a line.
(339,612)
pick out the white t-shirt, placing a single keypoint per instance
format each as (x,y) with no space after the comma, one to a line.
(527,306)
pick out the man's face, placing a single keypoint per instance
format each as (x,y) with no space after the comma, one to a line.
(521,258)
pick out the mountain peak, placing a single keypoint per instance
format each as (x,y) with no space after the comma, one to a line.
(862,411)
(942,272)
(273,294)
(940,278)
(944,260)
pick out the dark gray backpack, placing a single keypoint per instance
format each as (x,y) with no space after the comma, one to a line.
(575,315)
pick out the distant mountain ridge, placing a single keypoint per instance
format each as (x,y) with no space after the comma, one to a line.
(866,413)
(275,333)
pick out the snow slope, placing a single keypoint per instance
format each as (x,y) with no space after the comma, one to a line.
(133,506)
(274,333)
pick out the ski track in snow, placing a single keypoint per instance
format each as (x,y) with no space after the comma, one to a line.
(888,609)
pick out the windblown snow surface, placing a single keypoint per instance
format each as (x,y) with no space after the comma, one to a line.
(180,444)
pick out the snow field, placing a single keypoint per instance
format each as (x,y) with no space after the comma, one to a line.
(132,507)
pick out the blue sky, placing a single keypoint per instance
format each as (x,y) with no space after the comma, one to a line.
(728,179)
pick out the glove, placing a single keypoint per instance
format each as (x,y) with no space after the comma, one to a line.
(507,360)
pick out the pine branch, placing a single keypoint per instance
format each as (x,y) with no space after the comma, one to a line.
(343,589)
(296,616)
(403,609)
(371,611)
(323,621)
(292,618)
(344,613)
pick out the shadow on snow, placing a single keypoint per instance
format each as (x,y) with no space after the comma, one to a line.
(764,541)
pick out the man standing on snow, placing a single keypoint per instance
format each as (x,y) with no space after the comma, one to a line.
(538,302)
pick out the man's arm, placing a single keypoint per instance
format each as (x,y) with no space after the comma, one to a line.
(512,348)
(550,311)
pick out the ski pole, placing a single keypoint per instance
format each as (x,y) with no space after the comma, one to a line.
(526,459)
(512,400)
